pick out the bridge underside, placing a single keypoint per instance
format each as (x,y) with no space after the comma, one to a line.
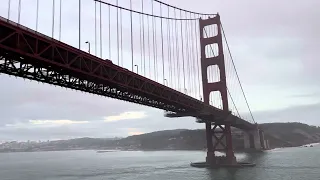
(233,120)
(29,54)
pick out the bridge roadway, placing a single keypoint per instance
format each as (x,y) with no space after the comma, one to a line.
(29,54)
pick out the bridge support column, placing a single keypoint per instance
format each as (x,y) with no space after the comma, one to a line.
(222,131)
(262,141)
(210,153)
(222,142)
(267,144)
(254,140)
(248,140)
(231,159)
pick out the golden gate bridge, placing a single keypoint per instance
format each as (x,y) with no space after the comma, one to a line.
(141,51)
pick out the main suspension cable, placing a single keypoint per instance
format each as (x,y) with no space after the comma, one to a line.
(182,9)
(226,86)
(142,13)
(224,35)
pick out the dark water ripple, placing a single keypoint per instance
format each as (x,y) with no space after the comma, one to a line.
(286,164)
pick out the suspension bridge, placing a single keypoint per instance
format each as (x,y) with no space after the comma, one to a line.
(141,51)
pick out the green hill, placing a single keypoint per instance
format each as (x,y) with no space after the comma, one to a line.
(278,134)
(290,134)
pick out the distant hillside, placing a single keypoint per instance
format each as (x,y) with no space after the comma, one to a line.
(164,140)
(278,134)
(290,134)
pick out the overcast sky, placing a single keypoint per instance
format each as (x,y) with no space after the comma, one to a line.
(275,45)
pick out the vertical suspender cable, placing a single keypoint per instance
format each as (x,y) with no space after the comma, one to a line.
(79,24)
(95,28)
(173,53)
(141,49)
(182,51)
(193,57)
(109,31)
(131,35)
(53,5)
(9,8)
(100,19)
(198,56)
(118,53)
(154,45)
(121,46)
(19,11)
(189,50)
(60,12)
(37,15)
(189,82)
(169,47)
(162,45)
(149,47)
(177,49)
(144,56)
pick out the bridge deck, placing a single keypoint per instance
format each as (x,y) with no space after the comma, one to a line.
(29,54)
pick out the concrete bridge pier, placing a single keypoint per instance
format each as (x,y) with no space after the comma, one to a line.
(267,146)
(254,139)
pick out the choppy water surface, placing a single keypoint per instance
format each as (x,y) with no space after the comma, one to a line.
(284,164)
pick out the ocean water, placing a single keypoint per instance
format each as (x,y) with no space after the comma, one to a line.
(301,163)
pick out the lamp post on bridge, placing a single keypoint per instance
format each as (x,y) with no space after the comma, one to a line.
(87,42)
(185,91)
(165,82)
(137,68)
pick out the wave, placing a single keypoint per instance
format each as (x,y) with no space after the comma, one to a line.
(312,144)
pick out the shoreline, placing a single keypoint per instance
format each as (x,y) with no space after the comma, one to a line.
(154,150)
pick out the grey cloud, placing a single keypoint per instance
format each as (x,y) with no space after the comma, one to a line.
(153,122)
(59,132)
(308,114)
(307,95)
(24,100)
(274,44)
(249,26)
